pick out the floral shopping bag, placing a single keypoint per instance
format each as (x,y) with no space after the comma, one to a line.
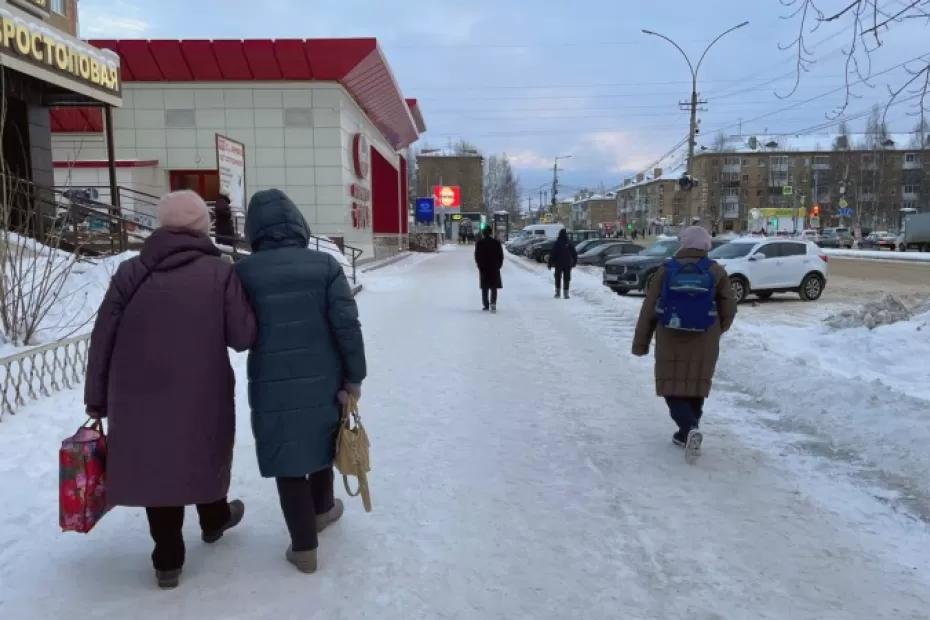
(82,497)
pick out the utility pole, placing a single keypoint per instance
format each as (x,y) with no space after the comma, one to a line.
(695,102)
(555,182)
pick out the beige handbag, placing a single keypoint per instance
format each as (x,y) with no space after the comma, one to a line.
(352,451)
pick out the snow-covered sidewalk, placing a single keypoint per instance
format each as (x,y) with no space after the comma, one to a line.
(523,469)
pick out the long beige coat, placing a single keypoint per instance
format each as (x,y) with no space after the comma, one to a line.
(685,362)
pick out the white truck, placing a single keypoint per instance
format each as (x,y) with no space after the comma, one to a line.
(915,232)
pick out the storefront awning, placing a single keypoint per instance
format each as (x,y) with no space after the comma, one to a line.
(357,64)
(31,47)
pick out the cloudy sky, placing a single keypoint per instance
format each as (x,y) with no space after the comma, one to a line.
(535,79)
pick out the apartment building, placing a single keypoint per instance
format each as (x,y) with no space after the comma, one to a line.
(651,202)
(788,183)
(588,212)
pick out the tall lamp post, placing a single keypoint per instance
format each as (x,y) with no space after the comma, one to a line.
(555,182)
(694,77)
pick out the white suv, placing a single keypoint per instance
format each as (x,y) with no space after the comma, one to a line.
(768,266)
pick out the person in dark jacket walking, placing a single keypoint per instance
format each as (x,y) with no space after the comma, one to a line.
(225,229)
(309,356)
(158,369)
(564,258)
(685,361)
(489,256)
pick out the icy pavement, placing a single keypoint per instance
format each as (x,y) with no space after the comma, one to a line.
(523,469)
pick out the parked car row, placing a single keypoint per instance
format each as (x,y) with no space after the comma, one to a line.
(536,242)
(760,267)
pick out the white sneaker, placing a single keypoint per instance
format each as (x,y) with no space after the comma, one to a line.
(693,445)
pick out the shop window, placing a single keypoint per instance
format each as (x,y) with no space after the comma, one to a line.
(298,117)
(180,118)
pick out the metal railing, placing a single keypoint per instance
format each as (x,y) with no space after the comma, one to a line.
(41,372)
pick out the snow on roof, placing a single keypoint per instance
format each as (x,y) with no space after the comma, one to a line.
(812,143)
(447,152)
(607,196)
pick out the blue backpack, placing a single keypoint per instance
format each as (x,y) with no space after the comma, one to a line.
(688,301)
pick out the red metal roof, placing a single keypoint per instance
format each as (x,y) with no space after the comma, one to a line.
(357,64)
(417,114)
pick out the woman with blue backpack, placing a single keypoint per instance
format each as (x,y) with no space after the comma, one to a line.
(688,306)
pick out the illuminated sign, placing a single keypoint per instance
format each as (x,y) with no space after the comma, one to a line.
(447,196)
(40,45)
(425,209)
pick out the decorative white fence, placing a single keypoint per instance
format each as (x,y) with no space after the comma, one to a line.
(42,371)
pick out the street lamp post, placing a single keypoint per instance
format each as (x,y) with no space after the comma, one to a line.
(694,94)
(555,182)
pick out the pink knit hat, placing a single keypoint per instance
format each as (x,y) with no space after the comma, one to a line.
(185,210)
(695,238)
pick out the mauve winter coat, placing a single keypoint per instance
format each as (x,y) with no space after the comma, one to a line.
(159,369)
(309,340)
(685,361)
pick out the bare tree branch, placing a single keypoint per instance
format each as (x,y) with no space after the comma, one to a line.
(868,20)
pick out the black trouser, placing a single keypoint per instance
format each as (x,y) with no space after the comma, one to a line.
(686,411)
(484,296)
(302,499)
(562,276)
(166,523)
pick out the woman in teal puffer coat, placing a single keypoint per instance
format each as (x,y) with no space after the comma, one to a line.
(308,355)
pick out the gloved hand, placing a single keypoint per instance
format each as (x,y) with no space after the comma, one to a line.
(95,413)
(355,389)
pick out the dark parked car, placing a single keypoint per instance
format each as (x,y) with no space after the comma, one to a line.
(577,236)
(518,246)
(836,238)
(599,255)
(540,251)
(589,244)
(635,273)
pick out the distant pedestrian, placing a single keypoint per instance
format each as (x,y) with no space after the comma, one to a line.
(224,228)
(489,256)
(564,258)
(308,358)
(635,233)
(159,370)
(688,306)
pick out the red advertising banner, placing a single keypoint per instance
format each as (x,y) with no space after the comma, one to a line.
(447,196)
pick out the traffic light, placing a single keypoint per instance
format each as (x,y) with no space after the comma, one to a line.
(687,182)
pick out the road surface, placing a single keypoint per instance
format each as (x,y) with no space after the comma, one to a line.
(522,469)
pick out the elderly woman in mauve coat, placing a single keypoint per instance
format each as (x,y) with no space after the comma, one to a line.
(159,371)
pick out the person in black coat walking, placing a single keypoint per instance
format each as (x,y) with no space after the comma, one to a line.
(225,229)
(489,256)
(564,258)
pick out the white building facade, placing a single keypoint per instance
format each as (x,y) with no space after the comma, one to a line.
(345,168)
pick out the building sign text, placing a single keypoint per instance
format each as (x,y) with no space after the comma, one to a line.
(44,46)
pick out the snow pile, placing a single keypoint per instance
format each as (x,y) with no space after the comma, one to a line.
(885,311)
(909,257)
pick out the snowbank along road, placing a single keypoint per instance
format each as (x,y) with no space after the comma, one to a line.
(524,469)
